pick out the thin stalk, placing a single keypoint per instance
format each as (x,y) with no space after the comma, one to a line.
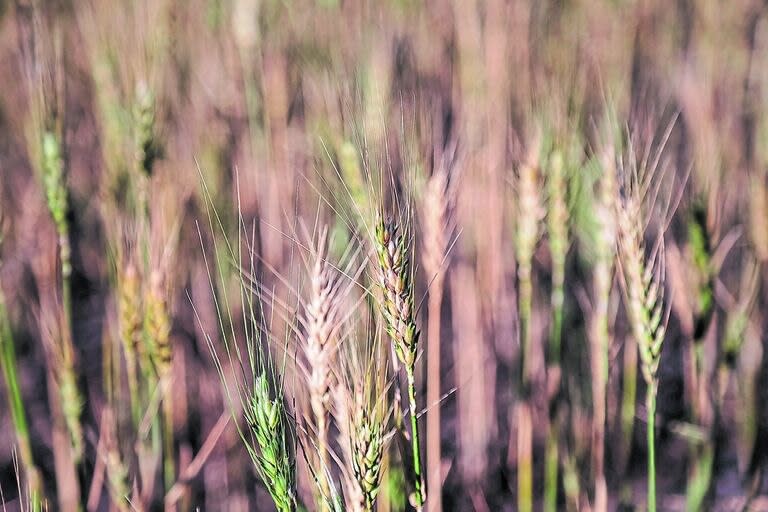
(651,406)
(524,427)
(421,495)
(628,399)
(169,466)
(433,396)
(16,403)
(551,466)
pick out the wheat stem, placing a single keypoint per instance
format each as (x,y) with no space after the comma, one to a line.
(651,406)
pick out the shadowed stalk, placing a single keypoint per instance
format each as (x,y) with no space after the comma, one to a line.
(396,279)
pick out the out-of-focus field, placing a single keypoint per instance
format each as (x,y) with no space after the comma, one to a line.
(579,236)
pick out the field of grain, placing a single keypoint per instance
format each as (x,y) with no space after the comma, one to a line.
(358,255)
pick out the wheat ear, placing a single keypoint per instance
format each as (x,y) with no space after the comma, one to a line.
(321,322)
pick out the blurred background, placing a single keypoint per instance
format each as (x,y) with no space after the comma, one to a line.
(121,123)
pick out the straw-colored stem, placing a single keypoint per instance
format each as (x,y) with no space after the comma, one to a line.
(524,457)
(433,396)
(524,427)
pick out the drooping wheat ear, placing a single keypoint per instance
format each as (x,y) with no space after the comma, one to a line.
(321,322)
(644,288)
(529,215)
(266,418)
(438,226)
(362,413)
(396,280)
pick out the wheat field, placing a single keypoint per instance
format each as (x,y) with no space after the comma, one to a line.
(393,255)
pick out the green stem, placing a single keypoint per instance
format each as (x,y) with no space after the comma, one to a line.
(169,469)
(651,406)
(524,434)
(551,468)
(421,495)
(18,416)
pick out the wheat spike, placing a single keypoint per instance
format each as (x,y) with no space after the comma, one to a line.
(266,418)
(395,280)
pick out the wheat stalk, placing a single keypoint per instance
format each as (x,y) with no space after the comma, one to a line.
(643,281)
(557,230)
(530,213)
(438,226)
(395,278)
(602,282)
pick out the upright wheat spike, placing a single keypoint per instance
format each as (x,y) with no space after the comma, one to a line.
(530,213)
(396,280)
(438,226)
(644,288)
(362,413)
(266,419)
(321,320)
